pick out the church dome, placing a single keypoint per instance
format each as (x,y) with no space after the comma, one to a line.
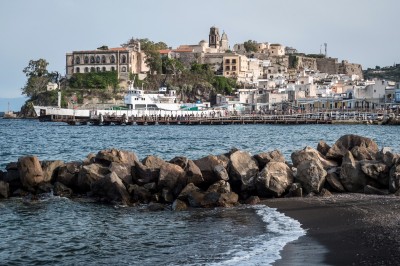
(224,36)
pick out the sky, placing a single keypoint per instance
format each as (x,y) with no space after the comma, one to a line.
(360,31)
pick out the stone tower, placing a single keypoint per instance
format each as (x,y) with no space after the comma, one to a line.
(213,38)
(224,42)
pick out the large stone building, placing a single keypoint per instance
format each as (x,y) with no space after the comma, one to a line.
(124,60)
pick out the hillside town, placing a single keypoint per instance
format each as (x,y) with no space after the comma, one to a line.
(269,76)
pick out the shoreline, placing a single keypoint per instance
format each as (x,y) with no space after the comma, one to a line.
(343,229)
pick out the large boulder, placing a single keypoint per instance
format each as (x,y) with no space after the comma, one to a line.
(361,153)
(388,157)
(221,172)
(62,190)
(207,167)
(371,190)
(295,190)
(309,153)
(347,143)
(89,174)
(394,179)
(50,169)
(111,189)
(153,162)
(106,157)
(141,174)
(4,189)
(68,174)
(265,157)
(12,177)
(190,187)
(274,179)
(323,147)
(179,205)
(172,177)
(180,160)
(30,172)
(243,170)
(195,198)
(377,171)
(123,171)
(351,176)
(311,175)
(333,180)
(139,194)
(193,173)
(215,199)
(221,186)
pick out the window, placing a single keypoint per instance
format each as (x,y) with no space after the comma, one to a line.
(233,61)
(112,68)
(234,68)
(92,69)
(86,69)
(123,69)
(227,68)
(77,70)
(104,69)
(103,59)
(227,73)
(98,59)
(112,59)
(92,59)
(97,69)
(86,60)
(77,60)
(123,60)
(227,61)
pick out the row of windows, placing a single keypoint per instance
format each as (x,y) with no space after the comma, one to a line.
(228,68)
(98,59)
(227,61)
(97,69)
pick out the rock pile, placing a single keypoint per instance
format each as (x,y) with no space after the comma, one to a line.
(352,164)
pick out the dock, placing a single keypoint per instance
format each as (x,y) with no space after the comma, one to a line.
(297,119)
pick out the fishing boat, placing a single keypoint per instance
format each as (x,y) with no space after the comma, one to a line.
(9,114)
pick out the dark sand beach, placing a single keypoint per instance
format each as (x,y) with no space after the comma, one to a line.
(346,229)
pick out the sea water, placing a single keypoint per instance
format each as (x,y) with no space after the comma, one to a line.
(60,231)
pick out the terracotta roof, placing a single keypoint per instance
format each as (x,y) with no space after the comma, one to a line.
(97,50)
(165,51)
(183,50)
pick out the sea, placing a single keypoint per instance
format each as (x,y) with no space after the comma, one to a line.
(59,231)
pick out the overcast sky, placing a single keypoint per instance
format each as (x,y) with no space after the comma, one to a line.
(360,31)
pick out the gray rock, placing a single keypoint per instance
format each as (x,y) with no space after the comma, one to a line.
(308,154)
(123,171)
(311,174)
(243,170)
(229,199)
(195,198)
(139,194)
(154,207)
(30,172)
(223,160)
(172,176)
(325,193)
(352,177)
(179,205)
(252,200)
(347,143)
(153,162)
(206,166)
(361,153)
(62,190)
(68,174)
(221,186)
(50,169)
(274,179)
(193,173)
(221,172)
(394,178)
(295,190)
(114,155)
(333,180)
(4,189)
(368,189)
(377,171)
(181,161)
(89,174)
(187,190)
(323,147)
(111,188)
(265,157)
(388,157)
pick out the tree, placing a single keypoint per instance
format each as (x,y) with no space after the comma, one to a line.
(250,46)
(38,78)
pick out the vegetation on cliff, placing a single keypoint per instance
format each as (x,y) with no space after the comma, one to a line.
(391,73)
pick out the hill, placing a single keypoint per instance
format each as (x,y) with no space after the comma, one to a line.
(391,73)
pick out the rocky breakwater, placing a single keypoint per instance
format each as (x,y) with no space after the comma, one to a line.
(353,164)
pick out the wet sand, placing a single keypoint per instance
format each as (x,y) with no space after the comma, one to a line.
(346,229)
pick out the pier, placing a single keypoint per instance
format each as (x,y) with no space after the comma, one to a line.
(306,118)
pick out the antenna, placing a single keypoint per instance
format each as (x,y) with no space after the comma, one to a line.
(326,49)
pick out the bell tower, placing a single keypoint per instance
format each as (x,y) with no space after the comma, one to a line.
(213,38)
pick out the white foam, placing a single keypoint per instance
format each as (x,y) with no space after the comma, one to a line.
(281,230)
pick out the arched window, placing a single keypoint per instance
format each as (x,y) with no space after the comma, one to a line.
(86,60)
(123,59)
(97,69)
(123,69)
(112,59)
(92,69)
(103,59)
(112,68)
(98,59)
(86,69)
(104,69)
(77,60)
(92,59)
(78,70)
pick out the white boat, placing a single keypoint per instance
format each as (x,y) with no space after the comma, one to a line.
(137,103)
